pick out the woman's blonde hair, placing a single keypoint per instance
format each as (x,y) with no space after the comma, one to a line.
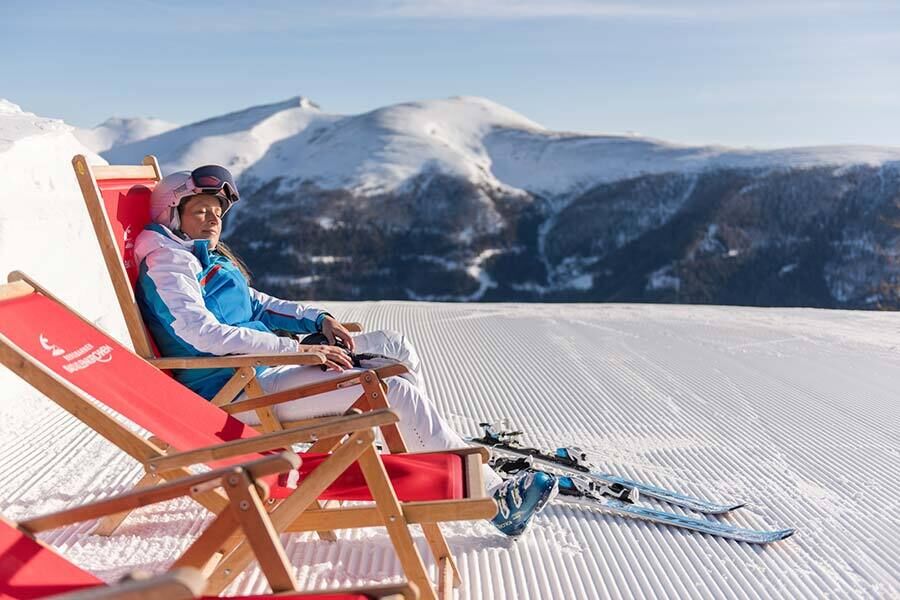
(228,253)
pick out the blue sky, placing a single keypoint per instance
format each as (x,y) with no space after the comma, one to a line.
(765,73)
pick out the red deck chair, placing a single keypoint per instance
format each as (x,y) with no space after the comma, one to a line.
(118,201)
(31,569)
(71,361)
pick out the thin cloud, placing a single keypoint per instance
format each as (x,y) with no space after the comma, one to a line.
(605,9)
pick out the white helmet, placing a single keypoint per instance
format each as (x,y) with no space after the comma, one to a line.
(172,189)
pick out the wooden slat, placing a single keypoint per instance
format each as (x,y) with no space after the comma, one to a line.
(449,576)
(85,174)
(266,414)
(14,289)
(237,360)
(108,524)
(392,517)
(248,509)
(312,389)
(268,465)
(270,441)
(406,591)
(177,584)
(474,476)
(151,161)
(202,553)
(294,505)
(439,511)
(377,399)
(233,387)
(123,172)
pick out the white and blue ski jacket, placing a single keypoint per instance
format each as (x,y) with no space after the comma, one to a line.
(196,302)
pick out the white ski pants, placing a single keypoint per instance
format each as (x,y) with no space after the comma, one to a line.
(420,424)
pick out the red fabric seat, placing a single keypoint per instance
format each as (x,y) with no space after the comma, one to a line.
(94,362)
(416,478)
(31,570)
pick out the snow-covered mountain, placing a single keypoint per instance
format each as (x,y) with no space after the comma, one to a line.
(117,131)
(464,199)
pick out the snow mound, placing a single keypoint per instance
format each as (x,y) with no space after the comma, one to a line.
(44,226)
(7,107)
(118,131)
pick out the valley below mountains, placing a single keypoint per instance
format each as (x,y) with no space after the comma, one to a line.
(820,237)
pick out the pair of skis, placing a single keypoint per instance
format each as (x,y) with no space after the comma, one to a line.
(580,484)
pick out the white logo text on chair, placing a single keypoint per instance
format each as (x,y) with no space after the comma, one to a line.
(51,348)
(79,359)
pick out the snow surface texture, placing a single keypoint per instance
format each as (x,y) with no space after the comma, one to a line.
(792,410)
(473,138)
(117,131)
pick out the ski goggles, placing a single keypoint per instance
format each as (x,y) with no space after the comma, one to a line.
(209,179)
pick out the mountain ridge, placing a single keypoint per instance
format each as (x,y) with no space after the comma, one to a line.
(465,199)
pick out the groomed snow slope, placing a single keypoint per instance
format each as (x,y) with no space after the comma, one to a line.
(793,410)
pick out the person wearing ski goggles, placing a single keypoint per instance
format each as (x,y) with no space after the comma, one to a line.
(208,180)
(196,300)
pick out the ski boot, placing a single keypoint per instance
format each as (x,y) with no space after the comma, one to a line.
(521,497)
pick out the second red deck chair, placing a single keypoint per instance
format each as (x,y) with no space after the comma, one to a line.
(75,364)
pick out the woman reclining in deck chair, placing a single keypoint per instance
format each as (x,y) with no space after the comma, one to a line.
(196,301)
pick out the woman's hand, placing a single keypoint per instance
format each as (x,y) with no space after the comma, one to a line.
(335,358)
(333,330)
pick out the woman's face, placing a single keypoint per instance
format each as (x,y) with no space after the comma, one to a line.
(201,219)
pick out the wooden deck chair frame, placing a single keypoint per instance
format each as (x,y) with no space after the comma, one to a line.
(295,513)
(244,379)
(246,494)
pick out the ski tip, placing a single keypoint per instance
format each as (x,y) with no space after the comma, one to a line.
(783,534)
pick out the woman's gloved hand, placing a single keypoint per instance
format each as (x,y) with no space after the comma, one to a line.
(333,331)
(336,358)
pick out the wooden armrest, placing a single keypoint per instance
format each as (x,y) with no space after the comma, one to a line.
(177,584)
(326,428)
(353,326)
(268,465)
(310,389)
(238,360)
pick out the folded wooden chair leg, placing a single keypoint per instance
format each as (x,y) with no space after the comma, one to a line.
(325,535)
(233,386)
(266,414)
(206,552)
(377,398)
(398,529)
(447,571)
(109,524)
(290,508)
(261,535)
